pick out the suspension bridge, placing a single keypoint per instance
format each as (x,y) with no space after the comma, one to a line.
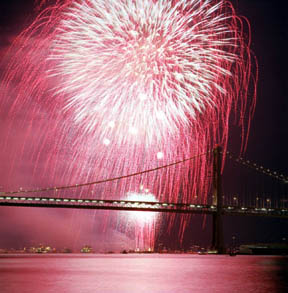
(253,198)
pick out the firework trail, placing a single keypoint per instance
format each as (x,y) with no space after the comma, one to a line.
(130,85)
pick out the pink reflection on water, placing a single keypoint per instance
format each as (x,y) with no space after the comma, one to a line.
(139,273)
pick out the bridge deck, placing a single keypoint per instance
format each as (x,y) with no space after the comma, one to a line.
(124,205)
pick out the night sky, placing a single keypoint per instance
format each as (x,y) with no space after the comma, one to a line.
(267,145)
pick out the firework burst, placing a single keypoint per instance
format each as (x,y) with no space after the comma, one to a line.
(132,85)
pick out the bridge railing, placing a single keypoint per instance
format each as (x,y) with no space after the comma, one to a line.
(246,183)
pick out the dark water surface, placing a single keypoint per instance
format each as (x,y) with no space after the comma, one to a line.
(141,273)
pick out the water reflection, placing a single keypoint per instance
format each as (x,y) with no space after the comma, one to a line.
(142,273)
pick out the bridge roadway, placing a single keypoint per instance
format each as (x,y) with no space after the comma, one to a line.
(124,205)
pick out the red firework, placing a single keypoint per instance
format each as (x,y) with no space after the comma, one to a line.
(117,87)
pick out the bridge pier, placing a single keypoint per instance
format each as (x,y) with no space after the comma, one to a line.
(217,226)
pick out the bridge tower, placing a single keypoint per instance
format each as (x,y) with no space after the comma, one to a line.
(217,229)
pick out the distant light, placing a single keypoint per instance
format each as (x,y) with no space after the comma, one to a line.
(142,97)
(161,115)
(111,124)
(141,187)
(178,76)
(106,141)
(133,130)
(146,190)
(160,155)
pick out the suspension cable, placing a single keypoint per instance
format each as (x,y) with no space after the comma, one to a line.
(103,180)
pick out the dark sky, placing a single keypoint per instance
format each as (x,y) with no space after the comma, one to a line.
(268,140)
(269,132)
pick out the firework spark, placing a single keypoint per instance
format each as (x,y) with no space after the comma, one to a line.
(132,85)
(144,223)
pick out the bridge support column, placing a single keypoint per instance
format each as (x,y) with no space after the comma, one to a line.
(217,229)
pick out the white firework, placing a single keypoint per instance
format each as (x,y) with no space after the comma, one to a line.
(150,68)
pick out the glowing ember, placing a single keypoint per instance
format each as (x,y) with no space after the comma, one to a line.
(160,155)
